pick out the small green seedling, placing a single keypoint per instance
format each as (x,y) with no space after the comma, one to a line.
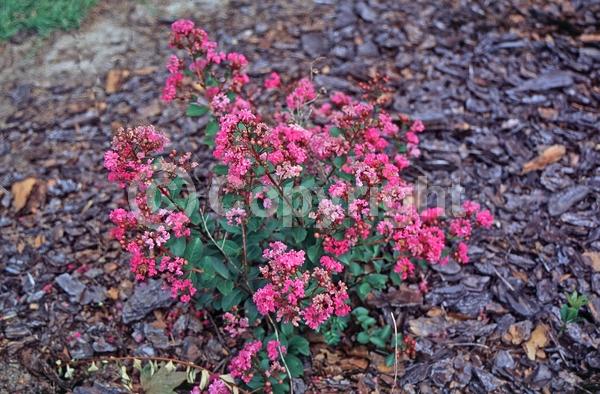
(570,312)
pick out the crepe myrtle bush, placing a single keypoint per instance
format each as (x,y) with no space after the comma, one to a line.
(311,217)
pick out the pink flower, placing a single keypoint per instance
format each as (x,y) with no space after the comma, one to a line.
(218,387)
(235,216)
(273,348)
(304,92)
(461,253)
(182,26)
(485,219)
(470,207)
(460,228)
(404,267)
(241,365)
(331,264)
(264,299)
(417,126)
(178,222)
(174,64)
(273,81)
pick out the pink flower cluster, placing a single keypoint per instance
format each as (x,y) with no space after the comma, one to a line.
(241,366)
(286,291)
(144,232)
(234,324)
(203,55)
(130,158)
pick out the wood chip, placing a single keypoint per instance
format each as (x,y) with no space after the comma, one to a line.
(593,260)
(588,38)
(550,155)
(114,79)
(21,191)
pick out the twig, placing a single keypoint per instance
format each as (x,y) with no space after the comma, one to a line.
(142,358)
(287,369)
(468,344)
(395,352)
(503,280)
(215,242)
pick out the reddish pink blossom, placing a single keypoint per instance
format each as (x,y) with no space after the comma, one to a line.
(461,253)
(485,219)
(178,222)
(304,92)
(273,348)
(404,267)
(470,207)
(182,26)
(331,264)
(241,365)
(460,228)
(273,81)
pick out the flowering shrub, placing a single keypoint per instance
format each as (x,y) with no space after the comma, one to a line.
(313,216)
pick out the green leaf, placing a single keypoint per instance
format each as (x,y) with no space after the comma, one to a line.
(230,248)
(335,131)
(377,341)
(194,250)
(377,281)
(178,246)
(220,268)
(363,290)
(194,110)
(294,365)
(339,161)
(362,337)
(287,329)
(163,381)
(314,253)
(230,300)
(564,310)
(220,169)
(385,333)
(360,310)
(225,286)
(211,128)
(355,269)
(298,344)
(298,234)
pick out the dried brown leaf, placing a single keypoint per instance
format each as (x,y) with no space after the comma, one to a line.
(550,155)
(538,341)
(114,79)
(21,191)
(593,260)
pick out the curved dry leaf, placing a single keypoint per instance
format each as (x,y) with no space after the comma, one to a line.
(593,260)
(21,191)
(550,155)
(538,341)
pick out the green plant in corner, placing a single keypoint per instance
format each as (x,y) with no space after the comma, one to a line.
(569,312)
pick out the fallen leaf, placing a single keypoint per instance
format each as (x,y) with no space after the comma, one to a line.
(114,79)
(403,296)
(550,155)
(37,241)
(113,293)
(517,333)
(538,341)
(548,113)
(21,191)
(145,70)
(587,38)
(593,260)
(353,363)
